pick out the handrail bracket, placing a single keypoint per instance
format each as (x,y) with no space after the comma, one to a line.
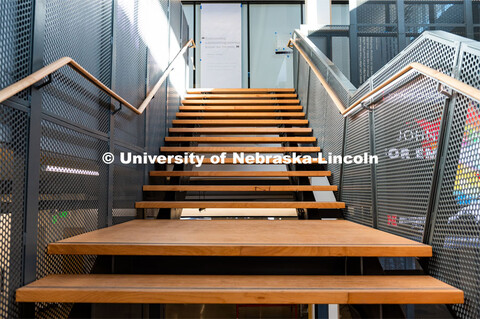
(117,110)
(442,89)
(47,82)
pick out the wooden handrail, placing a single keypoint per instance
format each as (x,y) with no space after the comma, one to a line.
(443,78)
(338,103)
(35,77)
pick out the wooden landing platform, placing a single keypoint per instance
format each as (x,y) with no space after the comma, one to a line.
(241,238)
(218,289)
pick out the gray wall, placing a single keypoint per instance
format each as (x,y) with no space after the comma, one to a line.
(68,124)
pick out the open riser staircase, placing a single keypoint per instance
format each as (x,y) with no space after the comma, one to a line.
(267,121)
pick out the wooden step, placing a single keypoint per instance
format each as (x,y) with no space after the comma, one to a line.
(239,139)
(241,96)
(242,130)
(239,102)
(240,114)
(228,289)
(321,238)
(229,161)
(237,188)
(241,173)
(240,122)
(240,108)
(239,204)
(238,91)
(231,149)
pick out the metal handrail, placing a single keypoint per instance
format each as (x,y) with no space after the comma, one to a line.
(35,77)
(440,77)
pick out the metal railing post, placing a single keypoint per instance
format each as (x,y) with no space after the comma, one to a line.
(373,169)
(438,173)
(33,161)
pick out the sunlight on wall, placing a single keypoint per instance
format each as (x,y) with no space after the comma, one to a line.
(153,26)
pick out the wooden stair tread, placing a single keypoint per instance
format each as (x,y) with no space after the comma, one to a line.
(239,102)
(239,139)
(230,149)
(240,114)
(237,90)
(229,161)
(241,173)
(229,289)
(228,238)
(192,96)
(238,204)
(240,122)
(242,130)
(239,188)
(240,108)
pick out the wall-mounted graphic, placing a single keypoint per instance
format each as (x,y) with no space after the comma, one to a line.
(220,45)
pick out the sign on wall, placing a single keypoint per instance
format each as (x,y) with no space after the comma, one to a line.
(220,47)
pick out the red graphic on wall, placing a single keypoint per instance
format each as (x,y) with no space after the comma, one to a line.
(392,220)
(431,131)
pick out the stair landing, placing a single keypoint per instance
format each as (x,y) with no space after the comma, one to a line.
(322,238)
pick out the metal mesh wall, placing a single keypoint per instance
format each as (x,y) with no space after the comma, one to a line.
(13,161)
(357,178)
(333,76)
(81,30)
(333,138)
(16,31)
(404,129)
(317,97)
(456,234)
(16,40)
(406,142)
(438,52)
(130,67)
(302,86)
(381,29)
(127,181)
(76,126)
(175,87)
(72,199)
(376,30)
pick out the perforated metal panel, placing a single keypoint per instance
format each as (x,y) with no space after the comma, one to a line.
(333,137)
(72,200)
(374,52)
(361,91)
(126,191)
(406,143)
(357,178)
(429,50)
(302,89)
(81,30)
(456,235)
(75,126)
(317,98)
(380,31)
(373,12)
(130,70)
(16,41)
(13,152)
(332,75)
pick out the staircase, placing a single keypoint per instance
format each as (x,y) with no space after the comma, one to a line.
(264,121)
(240,261)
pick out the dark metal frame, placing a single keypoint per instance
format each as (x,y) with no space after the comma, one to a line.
(36,113)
